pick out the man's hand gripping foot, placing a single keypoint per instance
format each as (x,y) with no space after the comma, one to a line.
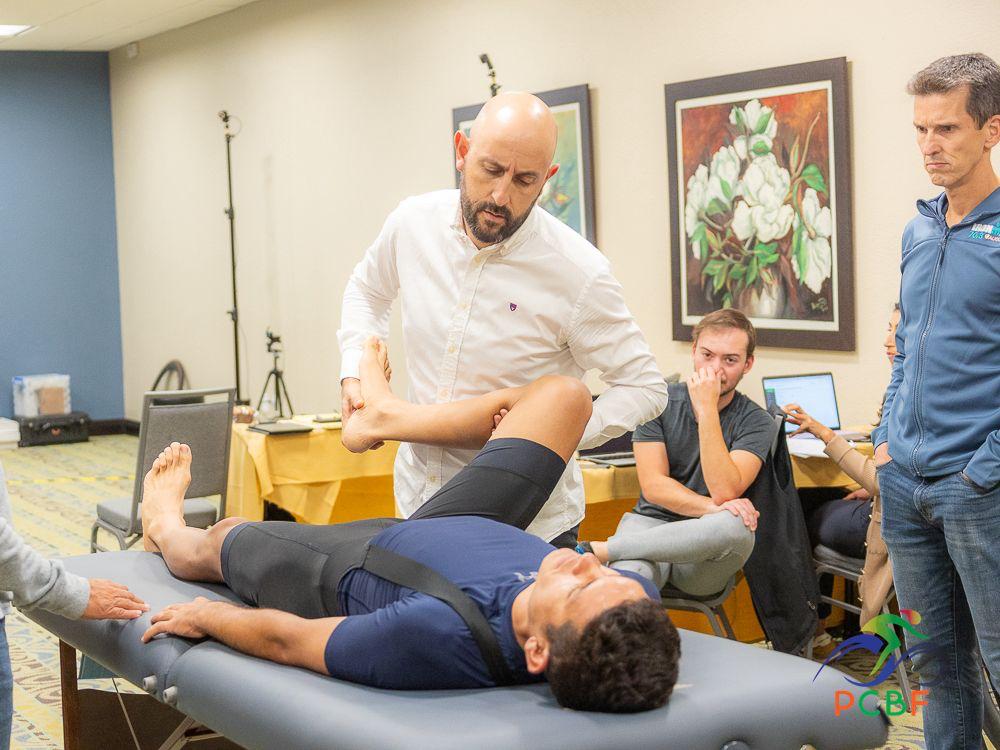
(361,431)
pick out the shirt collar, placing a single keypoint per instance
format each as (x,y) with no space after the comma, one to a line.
(937,207)
(524,232)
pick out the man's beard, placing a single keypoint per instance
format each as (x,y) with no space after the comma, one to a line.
(480,230)
(727,387)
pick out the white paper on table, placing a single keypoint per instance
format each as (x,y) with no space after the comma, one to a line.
(806,447)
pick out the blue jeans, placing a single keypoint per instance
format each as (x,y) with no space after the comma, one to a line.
(6,688)
(942,534)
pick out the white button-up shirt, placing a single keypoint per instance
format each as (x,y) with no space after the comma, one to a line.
(541,302)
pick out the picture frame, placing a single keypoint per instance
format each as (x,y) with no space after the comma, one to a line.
(759,169)
(569,195)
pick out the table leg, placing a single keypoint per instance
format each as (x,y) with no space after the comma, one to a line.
(70,697)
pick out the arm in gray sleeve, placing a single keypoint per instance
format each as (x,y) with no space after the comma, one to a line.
(34,580)
(605,336)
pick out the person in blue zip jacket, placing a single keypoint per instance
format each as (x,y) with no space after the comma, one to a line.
(938,445)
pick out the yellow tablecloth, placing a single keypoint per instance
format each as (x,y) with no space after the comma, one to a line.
(318,481)
(823,472)
(312,476)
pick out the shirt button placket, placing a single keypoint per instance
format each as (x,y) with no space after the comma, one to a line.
(449,363)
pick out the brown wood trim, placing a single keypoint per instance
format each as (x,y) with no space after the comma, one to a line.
(70,696)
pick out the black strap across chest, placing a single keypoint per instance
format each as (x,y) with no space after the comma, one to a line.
(413,575)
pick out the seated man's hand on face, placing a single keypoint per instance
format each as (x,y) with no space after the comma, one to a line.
(704,389)
(112,601)
(179,619)
(742,509)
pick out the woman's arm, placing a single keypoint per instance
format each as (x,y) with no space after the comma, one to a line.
(857,466)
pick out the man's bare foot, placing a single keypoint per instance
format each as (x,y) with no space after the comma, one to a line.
(163,490)
(363,430)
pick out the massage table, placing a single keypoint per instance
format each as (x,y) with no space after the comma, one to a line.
(728,696)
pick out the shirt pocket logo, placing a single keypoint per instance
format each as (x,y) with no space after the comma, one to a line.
(513,306)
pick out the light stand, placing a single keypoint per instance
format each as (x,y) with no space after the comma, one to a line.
(494,86)
(231,215)
(276,373)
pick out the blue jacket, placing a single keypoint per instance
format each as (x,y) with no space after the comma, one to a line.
(942,408)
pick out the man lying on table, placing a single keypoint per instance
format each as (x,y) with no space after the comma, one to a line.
(598,635)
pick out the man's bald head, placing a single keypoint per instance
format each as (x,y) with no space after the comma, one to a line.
(505,162)
(518,121)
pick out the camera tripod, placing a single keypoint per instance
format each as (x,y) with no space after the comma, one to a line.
(281,396)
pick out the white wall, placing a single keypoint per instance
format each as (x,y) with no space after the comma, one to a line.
(346,109)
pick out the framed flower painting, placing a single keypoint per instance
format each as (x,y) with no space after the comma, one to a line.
(569,195)
(760,197)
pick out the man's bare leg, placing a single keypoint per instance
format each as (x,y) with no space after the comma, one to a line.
(551,411)
(191,554)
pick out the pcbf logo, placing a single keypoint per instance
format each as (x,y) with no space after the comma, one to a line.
(880,638)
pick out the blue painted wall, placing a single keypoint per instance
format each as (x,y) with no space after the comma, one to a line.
(59,308)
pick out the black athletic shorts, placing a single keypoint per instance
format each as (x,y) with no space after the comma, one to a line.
(297,567)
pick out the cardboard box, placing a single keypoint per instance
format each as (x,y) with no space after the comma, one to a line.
(35,395)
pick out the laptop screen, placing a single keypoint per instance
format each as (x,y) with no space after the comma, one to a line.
(814,393)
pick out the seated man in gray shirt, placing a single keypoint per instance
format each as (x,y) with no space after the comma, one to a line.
(695,461)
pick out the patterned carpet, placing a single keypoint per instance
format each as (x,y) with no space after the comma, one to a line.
(54,491)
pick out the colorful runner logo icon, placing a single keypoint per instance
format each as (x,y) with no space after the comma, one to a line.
(880,637)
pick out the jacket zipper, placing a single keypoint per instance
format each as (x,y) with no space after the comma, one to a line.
(920,351)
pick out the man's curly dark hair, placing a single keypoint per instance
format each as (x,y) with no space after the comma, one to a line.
(622,661)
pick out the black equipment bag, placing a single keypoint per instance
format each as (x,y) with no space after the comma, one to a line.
(54,429)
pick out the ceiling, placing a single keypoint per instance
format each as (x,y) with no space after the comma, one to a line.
(97,25)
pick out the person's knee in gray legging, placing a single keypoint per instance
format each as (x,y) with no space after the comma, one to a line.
(698,555)
(710,576)
(658,573)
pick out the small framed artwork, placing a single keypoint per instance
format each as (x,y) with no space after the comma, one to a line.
(569,195)
(759,168)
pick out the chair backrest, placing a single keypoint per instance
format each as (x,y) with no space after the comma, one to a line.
(779,430)
(202,419)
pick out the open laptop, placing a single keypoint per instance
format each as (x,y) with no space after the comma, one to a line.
(616,452)
(814,393)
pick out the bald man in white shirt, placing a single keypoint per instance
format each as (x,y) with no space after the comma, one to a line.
(496,293)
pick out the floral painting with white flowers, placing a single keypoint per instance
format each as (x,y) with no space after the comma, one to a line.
(757,209)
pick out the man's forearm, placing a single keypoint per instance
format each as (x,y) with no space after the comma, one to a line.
(672,495)
(722,476)
(266,633)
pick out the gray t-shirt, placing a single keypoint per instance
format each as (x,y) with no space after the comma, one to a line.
(745,427)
